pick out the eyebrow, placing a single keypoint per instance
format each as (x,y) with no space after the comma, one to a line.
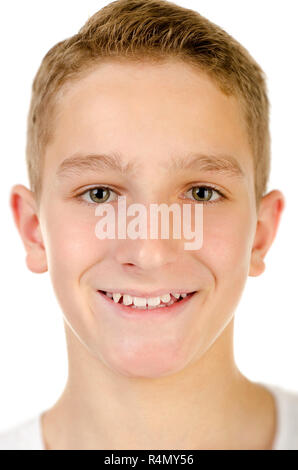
(226,165)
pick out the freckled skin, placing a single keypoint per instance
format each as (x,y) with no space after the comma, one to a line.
(148,113)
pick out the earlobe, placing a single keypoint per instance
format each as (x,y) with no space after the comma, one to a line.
(270,211)
(257,264)
(36,262)
(23,207)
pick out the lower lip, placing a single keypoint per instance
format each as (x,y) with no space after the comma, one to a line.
(127,311)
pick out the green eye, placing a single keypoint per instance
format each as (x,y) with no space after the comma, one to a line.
(205,194)
(202,193)
(99,195)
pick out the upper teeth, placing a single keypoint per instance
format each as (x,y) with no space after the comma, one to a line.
(142,301)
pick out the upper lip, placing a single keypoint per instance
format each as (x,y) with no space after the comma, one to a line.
(147,294)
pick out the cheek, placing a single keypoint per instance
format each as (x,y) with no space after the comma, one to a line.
(225,256)
(71,244)
(72,249)
(226,244)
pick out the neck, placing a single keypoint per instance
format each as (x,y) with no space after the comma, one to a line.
(192,409)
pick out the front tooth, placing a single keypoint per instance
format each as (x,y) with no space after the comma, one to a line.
(175,295)
(153,301)
(139,301)
(116,297)
(127,299)
(166,298)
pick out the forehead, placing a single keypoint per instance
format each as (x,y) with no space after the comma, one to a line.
(148,113)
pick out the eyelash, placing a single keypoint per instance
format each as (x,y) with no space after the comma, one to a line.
(213,188)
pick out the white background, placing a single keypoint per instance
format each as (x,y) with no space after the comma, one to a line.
(33,361)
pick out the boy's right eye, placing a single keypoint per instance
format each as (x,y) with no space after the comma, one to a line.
(97,195)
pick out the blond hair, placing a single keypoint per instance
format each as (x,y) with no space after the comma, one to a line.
(150,30)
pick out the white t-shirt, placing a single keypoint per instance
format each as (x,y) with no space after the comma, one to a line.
(28,435)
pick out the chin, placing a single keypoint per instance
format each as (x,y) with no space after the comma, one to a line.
(150,361)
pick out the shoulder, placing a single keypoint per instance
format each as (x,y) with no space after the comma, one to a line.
(25,436)
(287,417)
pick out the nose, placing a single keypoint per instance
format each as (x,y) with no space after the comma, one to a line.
(146,254)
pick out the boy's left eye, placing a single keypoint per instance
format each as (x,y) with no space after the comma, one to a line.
(205,193)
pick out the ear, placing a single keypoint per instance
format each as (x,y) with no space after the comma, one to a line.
(23,205)
(271,207)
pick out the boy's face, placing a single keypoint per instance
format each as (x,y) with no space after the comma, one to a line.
(149,114)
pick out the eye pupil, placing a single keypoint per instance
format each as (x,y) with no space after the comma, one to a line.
(199,193)
(97,194)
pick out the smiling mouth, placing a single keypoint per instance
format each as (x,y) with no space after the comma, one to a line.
(129,302)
